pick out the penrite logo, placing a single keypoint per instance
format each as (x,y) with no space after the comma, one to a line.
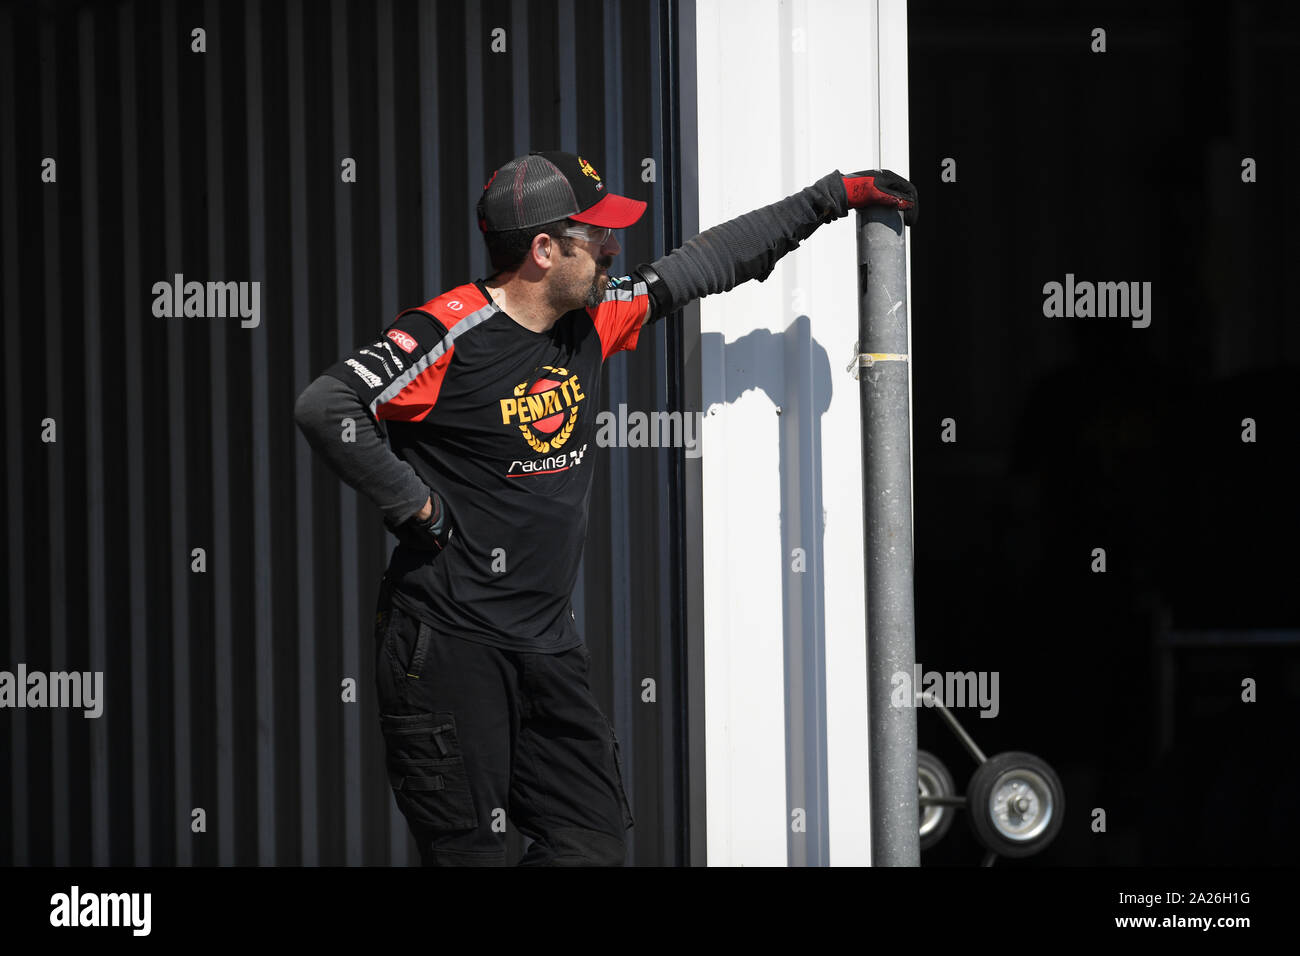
(404,341)
(588,169)
(546,412)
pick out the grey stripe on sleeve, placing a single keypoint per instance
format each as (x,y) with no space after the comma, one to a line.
(435,353)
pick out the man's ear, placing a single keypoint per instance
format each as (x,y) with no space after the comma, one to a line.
(542,245)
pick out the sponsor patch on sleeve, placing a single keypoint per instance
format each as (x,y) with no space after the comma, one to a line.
(367,376)
(402,340)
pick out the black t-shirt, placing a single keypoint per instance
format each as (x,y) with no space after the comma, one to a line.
(500,422)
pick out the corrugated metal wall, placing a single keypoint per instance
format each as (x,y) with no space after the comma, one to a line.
(223,687)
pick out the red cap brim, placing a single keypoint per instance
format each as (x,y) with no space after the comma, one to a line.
(616,212)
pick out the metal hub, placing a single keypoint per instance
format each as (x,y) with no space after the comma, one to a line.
(928,785)
(1021,805)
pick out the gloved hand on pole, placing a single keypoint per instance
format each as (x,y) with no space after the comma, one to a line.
(882,187)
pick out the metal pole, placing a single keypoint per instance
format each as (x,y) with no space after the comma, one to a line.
(881,368)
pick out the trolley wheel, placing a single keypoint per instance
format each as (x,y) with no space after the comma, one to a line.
(934,780)
(1016,804)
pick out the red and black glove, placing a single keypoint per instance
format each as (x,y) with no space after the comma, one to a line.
(881,187)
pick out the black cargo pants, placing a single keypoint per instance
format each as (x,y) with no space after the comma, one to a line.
(478,739)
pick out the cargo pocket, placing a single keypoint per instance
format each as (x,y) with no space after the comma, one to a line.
(405,645)
(427,771)
(387,673)
(423,634)
(383,612)
(618,778)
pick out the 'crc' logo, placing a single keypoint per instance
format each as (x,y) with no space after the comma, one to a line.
(404,341)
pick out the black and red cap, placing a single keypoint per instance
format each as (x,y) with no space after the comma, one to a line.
(545,186)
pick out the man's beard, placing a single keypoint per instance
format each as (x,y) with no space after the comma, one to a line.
(595,293)
(576,297)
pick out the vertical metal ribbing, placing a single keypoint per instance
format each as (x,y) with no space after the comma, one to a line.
(97,605)
(135,321)
(430,152)
(680,159)
(812,522)
(670,701)
(805,659)
(54,457)
(160,783)
(795,587)
(564,30)
(431,197)
(565,26)
(887,513)
(178,558)
(567,64)
(620,595)
(386,160)
(16,425)
(261,491)
(348,608)
(398,842)
(219,558)
(476,168)
(802,516)
(302,309)
(519,76)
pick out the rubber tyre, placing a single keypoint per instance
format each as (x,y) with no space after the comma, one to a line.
(933,779)
(1011,834)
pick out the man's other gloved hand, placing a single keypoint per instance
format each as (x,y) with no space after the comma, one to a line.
(432,534)
(882,187)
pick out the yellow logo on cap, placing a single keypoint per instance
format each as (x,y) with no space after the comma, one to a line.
(587,169)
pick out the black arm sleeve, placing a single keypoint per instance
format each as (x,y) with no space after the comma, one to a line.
(744,248)
(367,464)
